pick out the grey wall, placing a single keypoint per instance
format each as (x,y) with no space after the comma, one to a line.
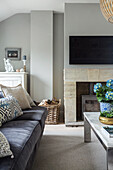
(15,32)
(58,58)
(47,49)
(84,19)
(41,55)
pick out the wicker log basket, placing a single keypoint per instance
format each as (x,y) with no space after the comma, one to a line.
(53,112)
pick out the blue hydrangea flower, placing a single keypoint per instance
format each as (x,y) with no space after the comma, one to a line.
(110,83)
(97,86)
(109,95)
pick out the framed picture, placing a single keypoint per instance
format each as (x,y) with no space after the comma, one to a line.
(13,53)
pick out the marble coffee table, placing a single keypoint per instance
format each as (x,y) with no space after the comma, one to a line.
(91,121)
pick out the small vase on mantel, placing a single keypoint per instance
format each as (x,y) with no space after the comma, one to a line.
(104,96)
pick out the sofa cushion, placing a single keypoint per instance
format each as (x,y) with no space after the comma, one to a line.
(35,113)
(4,146)
(22,136)
(31,102)
(18,93)
(9,109)
(1,94)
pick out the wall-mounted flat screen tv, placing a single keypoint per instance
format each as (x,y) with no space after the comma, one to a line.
(91,50)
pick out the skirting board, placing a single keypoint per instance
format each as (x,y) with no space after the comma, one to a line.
(74,124)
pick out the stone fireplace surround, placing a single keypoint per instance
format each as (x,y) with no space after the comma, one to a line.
(71,77)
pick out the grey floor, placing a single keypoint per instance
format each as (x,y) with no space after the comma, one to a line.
(63,148)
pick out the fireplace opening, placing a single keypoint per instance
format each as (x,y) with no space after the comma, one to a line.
(90,104)
(86,99)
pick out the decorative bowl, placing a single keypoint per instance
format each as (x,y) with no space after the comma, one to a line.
(105,120)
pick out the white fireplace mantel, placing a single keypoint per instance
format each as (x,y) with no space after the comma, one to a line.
(71,77)
(13,79)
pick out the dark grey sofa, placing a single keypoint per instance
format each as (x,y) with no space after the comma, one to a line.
(24,134)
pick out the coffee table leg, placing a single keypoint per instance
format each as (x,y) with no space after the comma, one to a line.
(87,131)
(110,159)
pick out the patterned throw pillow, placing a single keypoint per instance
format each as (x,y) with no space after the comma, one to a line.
(4,147)
(9,109)
(1,94)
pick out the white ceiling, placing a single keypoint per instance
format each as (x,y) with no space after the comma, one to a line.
(11,7)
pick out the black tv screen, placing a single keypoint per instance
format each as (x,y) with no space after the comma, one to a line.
(91,50)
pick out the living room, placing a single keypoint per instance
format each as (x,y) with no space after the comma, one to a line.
(56,51)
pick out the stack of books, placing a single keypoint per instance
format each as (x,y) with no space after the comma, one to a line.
(108,130)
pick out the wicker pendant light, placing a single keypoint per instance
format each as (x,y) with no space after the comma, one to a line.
(107,9)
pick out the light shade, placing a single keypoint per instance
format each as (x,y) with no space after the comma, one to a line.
(107,9)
